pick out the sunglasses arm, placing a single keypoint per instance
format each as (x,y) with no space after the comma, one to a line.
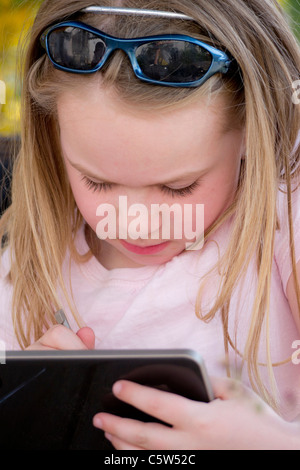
(136,12)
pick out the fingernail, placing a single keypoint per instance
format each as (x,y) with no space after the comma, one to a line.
(117,388)
(98,422)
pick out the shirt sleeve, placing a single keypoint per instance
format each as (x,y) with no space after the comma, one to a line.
(282,238)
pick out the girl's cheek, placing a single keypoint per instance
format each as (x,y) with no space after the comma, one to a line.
(88,209)
(86,201)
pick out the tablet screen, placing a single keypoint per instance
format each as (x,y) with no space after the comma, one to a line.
(48,400)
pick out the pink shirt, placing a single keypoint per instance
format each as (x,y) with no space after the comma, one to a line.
(154,307)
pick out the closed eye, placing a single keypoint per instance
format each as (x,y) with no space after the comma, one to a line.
(182,192)
(92,186)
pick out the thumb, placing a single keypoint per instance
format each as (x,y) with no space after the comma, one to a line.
(87,336)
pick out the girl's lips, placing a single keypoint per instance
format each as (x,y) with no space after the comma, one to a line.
(148,250)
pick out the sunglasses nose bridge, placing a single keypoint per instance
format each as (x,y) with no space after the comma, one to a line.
(127,46)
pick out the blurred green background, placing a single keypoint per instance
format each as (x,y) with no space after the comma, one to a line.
(16,17)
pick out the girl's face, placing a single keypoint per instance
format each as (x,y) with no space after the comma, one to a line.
(181,157)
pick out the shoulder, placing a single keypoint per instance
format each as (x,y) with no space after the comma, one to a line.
(282,248)
(5,264)
(283,200)
(287,207)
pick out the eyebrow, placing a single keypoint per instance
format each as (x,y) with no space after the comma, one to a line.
(103,180)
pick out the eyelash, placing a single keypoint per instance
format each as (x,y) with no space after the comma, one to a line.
(92,186)
(181,192)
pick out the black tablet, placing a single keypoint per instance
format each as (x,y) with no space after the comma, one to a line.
(48,399)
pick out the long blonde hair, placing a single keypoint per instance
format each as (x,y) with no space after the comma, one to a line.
(41,223)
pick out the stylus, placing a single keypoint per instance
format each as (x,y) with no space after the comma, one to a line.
(62,319)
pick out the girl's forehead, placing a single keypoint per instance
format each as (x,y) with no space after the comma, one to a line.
(97,126)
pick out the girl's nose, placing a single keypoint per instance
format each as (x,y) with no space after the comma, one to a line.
(135,218)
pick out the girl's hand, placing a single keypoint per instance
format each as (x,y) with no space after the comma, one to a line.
(236,420)
(61,338)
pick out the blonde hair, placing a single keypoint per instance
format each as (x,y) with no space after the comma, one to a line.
(43,220)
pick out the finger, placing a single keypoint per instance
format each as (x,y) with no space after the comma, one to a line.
(59,338)
(119,444)
(39,347)
(136,434)
(87,336)
(165,406)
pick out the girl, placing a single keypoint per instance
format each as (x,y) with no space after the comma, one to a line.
(202,116)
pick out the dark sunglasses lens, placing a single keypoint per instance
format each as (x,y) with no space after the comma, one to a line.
(173,61)
(75,48)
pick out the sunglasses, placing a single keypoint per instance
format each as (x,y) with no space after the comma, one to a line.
(171,60)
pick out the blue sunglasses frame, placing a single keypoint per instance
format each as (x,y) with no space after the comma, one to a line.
(220,60)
